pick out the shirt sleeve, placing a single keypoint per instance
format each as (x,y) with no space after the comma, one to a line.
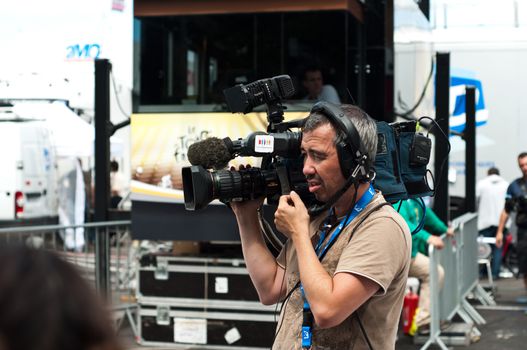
(433,223)
(421,236)
(379,251)
(510,191)
(509,199)
(329,94)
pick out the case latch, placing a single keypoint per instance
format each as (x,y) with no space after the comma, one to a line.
(161,272)
(163,315)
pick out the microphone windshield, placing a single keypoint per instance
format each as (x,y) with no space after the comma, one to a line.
(211,153)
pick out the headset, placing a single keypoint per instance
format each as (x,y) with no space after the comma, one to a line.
(353,159)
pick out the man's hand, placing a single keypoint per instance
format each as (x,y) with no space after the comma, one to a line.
(291,217)
(242,208)
(499,239)
(504,216)
(245,207)
(437,242)
(450,232)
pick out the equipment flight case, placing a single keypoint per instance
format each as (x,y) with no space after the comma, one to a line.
(195,277)
(203,302)
(168,325)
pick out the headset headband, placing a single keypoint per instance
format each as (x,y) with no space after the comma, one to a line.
(336,115)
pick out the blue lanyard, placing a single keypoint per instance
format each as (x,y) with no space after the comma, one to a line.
(306,333)
(357,209)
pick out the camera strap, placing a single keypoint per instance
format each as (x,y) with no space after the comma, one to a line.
(307,321)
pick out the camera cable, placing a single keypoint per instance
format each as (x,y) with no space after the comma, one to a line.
(435,124)
(269,234)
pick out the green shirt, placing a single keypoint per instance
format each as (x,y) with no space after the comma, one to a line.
(412,213)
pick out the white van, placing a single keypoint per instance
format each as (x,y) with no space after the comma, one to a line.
(28,179)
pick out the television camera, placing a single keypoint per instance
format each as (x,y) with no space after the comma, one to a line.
(399,170)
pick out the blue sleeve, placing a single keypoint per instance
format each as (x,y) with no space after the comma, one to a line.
(510,202)
(510,190)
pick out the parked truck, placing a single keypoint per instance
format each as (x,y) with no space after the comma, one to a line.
(28,185)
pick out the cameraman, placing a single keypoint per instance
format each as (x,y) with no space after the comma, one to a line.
(516,200)
(352,298)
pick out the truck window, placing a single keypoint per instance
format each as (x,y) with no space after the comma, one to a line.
(185,62)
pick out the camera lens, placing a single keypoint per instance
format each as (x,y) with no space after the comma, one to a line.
(200,187)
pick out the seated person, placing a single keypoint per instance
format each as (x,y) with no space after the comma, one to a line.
(316,90)
(412,213)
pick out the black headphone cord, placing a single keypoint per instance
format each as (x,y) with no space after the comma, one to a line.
(285,300)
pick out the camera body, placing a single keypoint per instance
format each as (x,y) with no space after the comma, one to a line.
(400,164)
(243,98)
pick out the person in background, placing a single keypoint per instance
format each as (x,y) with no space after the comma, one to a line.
(117,184)
(433,227)
(47,305)
(516,200)
(72,206)
(490,193)
(316,89)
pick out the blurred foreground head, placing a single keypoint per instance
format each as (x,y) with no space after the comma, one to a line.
(46,305)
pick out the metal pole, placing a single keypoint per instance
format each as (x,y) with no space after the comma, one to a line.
(470,149)
(360,65)
(102,172)
(442,100)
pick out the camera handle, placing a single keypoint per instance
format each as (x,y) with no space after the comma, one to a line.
(281,171)
(275,115)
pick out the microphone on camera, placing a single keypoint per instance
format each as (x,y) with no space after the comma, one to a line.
(215,153)
(211,153)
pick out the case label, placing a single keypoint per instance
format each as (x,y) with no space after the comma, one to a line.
(232,335)
(190,330)
(221,285)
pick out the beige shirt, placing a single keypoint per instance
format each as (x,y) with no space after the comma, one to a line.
(380,251)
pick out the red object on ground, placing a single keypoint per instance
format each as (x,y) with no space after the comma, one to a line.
(411,300)
(506,245)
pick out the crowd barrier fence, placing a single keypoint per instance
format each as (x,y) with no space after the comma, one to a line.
(76,244)
(459,259)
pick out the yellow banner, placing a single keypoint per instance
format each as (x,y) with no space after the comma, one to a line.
(160,143)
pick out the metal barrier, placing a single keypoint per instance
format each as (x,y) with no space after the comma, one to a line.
(459,259)
(76,244)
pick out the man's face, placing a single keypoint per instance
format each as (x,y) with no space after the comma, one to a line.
(321,163)
(313,83)
(522,163)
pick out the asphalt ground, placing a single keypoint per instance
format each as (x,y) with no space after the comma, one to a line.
(506,323)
